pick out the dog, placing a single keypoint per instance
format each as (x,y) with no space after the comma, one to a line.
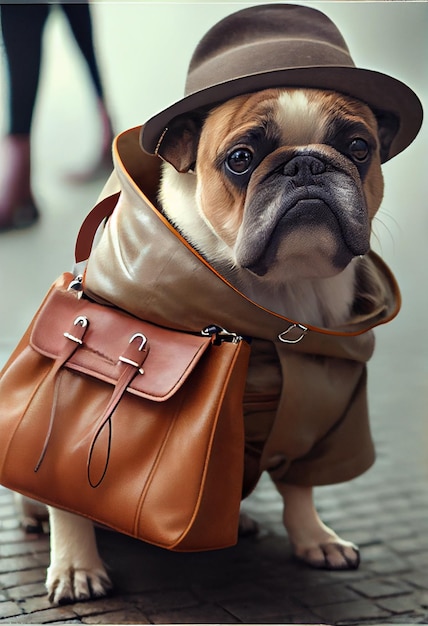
(278,190)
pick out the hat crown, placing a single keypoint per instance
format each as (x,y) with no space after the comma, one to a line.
(262,38)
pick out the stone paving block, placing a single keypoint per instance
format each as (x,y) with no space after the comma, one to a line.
(6,510)
(401,604)
(391,565)
(376,551)
(166,599)
(394,532)
(221,593)
(203,614)
(12,535)
(27,591)
(9,609)
(128,616)
(418,560)
(305,617)
(378,588)
(24,562)
(260,605)
(103,605)
(325,594)
(39,603)
(9,523)
(404,620)
(57,614)
(417,578)
(356,611)
(24,547)
(411,544)
(14,579)
(363,537)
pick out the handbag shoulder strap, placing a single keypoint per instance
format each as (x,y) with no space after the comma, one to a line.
(90,224)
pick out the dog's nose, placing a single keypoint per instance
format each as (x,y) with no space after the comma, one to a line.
(303,168)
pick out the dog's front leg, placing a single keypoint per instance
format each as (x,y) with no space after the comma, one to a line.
(312,541)
(76,571)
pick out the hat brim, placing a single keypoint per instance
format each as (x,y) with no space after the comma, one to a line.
(382,93)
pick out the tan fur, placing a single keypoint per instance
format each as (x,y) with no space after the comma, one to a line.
(208,209)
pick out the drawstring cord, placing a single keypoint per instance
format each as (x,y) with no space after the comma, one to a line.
(75,337)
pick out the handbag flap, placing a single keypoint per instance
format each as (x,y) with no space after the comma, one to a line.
(171,358)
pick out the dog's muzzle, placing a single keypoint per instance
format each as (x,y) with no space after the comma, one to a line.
(305,193)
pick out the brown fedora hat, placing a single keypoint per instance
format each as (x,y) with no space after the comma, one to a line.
(285,45)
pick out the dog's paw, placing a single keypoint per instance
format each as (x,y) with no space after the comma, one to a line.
(247,525)
(69,584)
(32,515)
(335,554)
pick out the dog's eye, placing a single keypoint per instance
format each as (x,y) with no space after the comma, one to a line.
(359,149)
(239,160)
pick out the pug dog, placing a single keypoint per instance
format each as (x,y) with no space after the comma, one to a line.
(277,190)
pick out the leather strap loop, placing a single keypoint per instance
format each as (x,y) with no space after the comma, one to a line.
(90,224)
(131,361)
(74,340)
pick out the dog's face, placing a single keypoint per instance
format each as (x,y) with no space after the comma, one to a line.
(287,181)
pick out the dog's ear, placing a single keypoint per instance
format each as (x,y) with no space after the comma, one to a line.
(179,143)
(388,125)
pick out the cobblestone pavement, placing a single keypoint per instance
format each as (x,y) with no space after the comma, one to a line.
(385,511)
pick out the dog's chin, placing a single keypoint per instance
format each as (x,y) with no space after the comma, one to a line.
(301,254)
(308,239)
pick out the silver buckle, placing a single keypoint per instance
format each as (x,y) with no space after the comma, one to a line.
(143,342)
(79,321)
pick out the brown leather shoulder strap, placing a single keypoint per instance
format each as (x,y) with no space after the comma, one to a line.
(87,231)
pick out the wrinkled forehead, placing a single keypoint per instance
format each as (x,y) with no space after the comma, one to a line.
(291,116)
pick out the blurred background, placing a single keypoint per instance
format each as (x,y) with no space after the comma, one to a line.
(143,49)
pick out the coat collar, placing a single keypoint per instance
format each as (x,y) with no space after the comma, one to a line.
(180,289)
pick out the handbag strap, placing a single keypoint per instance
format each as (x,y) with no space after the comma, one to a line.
(75,339)
(105,208)
(90,225)
(131,361)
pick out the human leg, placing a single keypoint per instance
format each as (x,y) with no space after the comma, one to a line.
(80,20)
(22,30)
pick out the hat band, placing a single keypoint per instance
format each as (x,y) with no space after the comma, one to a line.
(266,56)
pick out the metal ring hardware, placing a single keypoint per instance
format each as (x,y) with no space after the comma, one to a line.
(284,339)
(79,321)
(76,286)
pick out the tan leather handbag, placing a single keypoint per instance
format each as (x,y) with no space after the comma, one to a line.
(133,425)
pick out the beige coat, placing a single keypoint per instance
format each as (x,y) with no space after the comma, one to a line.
(306,403)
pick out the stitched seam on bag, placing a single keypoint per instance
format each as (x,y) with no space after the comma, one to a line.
(152,472)
(209,450)
(30,401)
